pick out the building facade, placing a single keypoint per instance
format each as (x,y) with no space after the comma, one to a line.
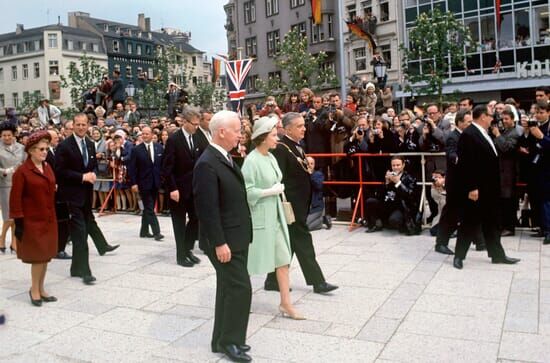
(509,61)
(255,28)
(33,60)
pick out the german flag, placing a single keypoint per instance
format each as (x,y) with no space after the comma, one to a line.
(216,67)
(357,30)
(316,11)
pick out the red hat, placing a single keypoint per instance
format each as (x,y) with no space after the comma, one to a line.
(36,137)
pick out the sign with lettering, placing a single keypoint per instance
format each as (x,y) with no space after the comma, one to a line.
(533,69)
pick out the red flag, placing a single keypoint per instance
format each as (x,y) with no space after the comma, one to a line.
(497,12)
(316,11)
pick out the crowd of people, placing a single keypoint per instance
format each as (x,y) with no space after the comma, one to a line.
(111,157)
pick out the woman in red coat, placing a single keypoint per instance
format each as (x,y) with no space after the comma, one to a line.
(32,206)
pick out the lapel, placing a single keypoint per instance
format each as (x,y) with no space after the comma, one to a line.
(76,147)
(483,141)
(143,148)
(30,166)
(185,143)
(222,159)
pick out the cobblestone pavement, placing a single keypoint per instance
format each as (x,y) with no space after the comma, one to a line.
(398,301)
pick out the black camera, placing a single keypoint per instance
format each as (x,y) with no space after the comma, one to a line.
(532,123)
(360,131)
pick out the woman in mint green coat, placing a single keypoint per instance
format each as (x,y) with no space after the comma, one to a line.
(270,248)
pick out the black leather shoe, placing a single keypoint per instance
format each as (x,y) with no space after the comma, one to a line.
(186,262)
(109,248)
(546,240)
(88,279)
(235,354)
(158,237)
(63,256)
(505,260)
(146,235)
(193,258)
(481,247)
(457,263)
(507,233)
(48,298)
(373,229)
(243,348)
(37,302)
(323,288)
(538,234)
(327,221)
(444,250)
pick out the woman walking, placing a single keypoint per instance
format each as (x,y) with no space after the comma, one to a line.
(270,248)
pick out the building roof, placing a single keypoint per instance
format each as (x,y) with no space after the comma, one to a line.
(40,30)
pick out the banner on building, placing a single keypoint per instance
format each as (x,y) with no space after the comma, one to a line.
(356,28)
(316,13)
(216,68)
(237,72)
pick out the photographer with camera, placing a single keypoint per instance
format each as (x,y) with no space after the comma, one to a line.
(270,107)
(380,141)
(439,195)
(506,142)
(317,137)
(358,141)
(396,205)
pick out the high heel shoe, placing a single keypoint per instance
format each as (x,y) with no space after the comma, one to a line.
(286,314)
(37,302)
(48,298)
(12,250)
(3,250)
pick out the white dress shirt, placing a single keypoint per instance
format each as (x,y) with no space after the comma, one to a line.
(151,148)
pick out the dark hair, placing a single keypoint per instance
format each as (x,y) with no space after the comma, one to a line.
(7,126)
(259,139)
(543,105)
(438,171)
(508,112)
(398,157)
(544,89)
(478,111)
(469,99)
(460,114)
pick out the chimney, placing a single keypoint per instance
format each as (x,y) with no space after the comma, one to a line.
(19,29)
(148,24)
(74,17)
(141,22)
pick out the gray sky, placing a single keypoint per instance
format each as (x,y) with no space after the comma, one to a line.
(203,18)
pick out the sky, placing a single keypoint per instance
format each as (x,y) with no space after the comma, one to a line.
(203,18)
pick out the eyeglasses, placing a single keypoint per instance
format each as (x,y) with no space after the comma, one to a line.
(41,149)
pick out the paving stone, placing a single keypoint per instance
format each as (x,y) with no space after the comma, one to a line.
(461,306)
(14,340)
(379,329)
(395,308)
(522,321)
(342,330)
(522,346)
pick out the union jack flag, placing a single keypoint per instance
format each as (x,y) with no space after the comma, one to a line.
(237,71)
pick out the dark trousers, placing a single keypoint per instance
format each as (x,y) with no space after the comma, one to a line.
(233,298)
(392,218)
(185,232)
(79,224)
(508,216)
(301,244)
(149,218)
(448,223)
(473,219)
(97,236)
(63,232)
(535,199)
(546,217)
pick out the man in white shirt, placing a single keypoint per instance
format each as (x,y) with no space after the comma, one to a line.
(48,114)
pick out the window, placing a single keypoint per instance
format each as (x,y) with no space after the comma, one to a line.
(360,59)
(251,86)
(522,28)
(54,68)
(317,33)
(14,49)
(541,25)
(70,45)
(150,74)
(249,12)
(148,49)
(37,45)
(296,3)
(95,47)
(272,43)
(271,7)
(52,41)
(301,28)
(84,46)
(128,71)
(2,101)
(129,48)
(25,71)
(116,67)
(386,54)
(487,42)
(15,97)
(1,51)
(274,75)
(195,82)
(116,46)
(251,47)
(194,61)
(105,28)
(330,23)
(138,49)
(36,70)
(352,13)
(14,73)
(26,96)
(1,74)
(384,10)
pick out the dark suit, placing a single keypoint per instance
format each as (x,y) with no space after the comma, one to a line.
(201,141)
(61,211)
(78,196)
(177,173)
(298,192)
(145,173)
(478,166)
(118,94)
(222,208)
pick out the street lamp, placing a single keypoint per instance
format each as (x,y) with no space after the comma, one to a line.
(380,72)
(130,89)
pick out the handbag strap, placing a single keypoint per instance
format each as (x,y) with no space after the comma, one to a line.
(283,197)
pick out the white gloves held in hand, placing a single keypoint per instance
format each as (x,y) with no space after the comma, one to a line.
(276,189)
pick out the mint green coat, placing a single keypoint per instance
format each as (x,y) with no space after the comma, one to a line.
(270,246)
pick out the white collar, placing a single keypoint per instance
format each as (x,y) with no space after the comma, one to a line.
(221,150)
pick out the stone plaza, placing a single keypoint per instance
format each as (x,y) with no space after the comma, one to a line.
(398,301)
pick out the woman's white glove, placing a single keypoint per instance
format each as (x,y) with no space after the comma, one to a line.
(274,190)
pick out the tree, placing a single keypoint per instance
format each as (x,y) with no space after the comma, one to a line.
(437,42)
(303,68)
(207,95)
(82,77)
(30,103)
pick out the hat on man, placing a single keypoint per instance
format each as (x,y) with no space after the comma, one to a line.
(36,137)
(263,126)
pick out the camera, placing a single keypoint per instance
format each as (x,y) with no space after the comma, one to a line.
(360,131)
(393,173)
(532,123)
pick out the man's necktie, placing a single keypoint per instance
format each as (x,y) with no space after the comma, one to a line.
(149,152)
(230,159)
(191,146)
(84,152)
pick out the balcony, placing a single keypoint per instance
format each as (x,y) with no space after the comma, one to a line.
(327,46)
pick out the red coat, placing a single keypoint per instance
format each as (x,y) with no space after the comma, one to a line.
(32,198)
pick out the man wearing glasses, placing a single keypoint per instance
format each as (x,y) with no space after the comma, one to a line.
(180,155)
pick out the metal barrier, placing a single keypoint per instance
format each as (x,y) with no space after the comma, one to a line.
(359,205)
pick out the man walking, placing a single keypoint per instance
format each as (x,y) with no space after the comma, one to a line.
(479,166)
(296,178)
(144,170)
(226,228)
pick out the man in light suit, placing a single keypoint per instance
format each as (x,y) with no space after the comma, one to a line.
(226,227)
(180,155)
(144,170)
(478,165)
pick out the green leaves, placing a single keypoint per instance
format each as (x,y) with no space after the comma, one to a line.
(82,78)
